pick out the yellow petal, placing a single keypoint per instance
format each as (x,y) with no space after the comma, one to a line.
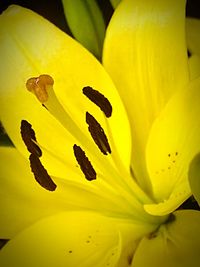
(31,46)
(67,239)
(145,54)
(193,35)
(173,142)
(77,238)
(194,175)
(176,244)
(194,66)
(24,201)
(72,68)
(130,235)
(193,43)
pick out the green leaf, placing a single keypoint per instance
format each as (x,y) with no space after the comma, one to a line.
(114,3)
(86,23)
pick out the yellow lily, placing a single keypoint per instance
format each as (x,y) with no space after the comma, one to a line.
(101,161)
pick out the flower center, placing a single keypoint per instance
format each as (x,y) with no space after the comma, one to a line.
(42,88)
(170,219)
(114,182)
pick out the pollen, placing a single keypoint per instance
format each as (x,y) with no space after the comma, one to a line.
(39,86)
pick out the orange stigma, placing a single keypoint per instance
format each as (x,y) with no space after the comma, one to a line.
(39,86)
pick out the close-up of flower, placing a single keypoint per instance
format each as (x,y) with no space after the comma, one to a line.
(104,132)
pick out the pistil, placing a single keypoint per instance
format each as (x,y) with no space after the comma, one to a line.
(40,86)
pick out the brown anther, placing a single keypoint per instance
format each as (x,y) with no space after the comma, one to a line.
(98,134)
(100,100)
(84,163)
(28,136)
(40,174)
(39,86)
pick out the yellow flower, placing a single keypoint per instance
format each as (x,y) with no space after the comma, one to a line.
(101,161)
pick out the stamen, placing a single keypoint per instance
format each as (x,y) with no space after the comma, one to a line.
(40,174)
(84,163)
(100,100)
(39,86)
(98,134)
(28,135)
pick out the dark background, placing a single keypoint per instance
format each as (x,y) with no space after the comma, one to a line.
(52,10)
